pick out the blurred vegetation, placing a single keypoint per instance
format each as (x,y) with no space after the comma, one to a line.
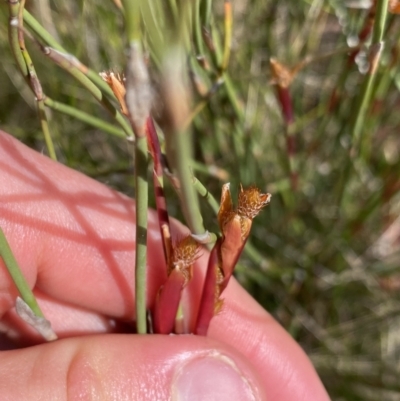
(323,258)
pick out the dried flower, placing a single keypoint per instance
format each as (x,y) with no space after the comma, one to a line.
(184,254)
(235,227)
(117,84)
(251,201)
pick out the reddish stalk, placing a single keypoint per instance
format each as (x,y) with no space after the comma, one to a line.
(210,295)
(235,227)
(167,303)
(161,204)
(180,271)
(283,77)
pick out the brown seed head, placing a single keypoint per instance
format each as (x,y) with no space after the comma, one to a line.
(283,76)
(184,254)
(251,201)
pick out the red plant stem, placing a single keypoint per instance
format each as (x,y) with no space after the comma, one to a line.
(161,204)
(167,303)
(230,249)
(210,292)
(285,101)
(154,145)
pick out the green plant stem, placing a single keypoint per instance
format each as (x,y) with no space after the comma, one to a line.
(65,62)
(45,128)
(84,117)
(228,34)
(206,12)
(45,36)
(17,276)
(190,201)
(368,84)
(380,20)
(141,164)
(13,28)
(132,19)
(138,104)
(68,110)
(197,29)
(35,26)
(204,193)
(31,76)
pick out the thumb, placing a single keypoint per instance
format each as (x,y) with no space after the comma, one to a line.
(129,367)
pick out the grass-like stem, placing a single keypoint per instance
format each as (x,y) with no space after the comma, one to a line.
(13,37)
(228,22)
(132,19)
(368,84)
(31,76)
(45,36)
(189,199)
(17,276)
(84,117)
(141,186)
(66,62)
(138,100)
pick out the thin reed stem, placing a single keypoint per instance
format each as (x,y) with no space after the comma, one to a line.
(138,100)
(141,189)
(17,276)
(228,22)
(190,202)
(28,71)
(13,36)
(66,62)
(84,117)
(47,38)
(368,84)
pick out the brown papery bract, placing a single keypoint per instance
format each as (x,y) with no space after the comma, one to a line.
(235,227)
(117,84)
(183,255)
(251,201)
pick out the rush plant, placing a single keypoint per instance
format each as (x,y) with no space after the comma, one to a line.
(168,101)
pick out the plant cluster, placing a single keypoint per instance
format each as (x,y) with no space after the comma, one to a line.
(295,98)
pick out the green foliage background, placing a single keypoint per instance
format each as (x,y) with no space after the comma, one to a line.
(323,258)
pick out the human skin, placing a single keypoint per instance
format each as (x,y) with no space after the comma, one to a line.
(74,239)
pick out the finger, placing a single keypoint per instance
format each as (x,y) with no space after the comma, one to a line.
(284,367)
(66,320)
(73,237)
(117,367)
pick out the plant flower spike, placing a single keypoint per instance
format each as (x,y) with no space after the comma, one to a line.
(117,84)
(235,225)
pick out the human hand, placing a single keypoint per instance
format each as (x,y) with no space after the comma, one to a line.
(74,240)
